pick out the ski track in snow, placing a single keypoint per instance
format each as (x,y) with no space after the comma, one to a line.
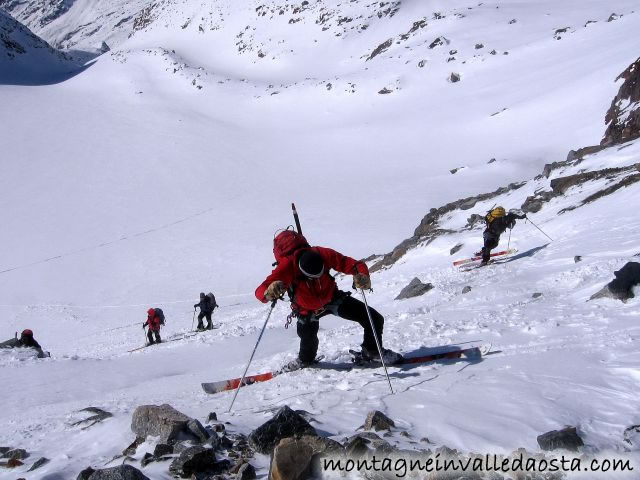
(152,149)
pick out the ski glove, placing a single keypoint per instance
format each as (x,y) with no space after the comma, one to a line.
(275,290)
(362,281)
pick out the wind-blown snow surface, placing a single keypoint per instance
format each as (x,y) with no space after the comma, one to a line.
(128,186)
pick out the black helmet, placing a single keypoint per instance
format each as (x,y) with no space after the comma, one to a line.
(201,294)
(311,264)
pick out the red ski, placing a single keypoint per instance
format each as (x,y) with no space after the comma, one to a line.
(475,259)
(445,353)
(225,385)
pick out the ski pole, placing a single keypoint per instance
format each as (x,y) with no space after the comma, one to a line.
(375,335)
(509,242)
(540,229)
(273,304)
(194,318)
(296,218)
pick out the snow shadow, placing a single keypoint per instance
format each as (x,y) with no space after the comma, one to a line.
(528,253)
(35,77)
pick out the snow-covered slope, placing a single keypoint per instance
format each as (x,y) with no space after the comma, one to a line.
(163,170)
(26,59)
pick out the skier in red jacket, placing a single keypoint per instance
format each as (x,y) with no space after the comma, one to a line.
(304,275)
(153,321)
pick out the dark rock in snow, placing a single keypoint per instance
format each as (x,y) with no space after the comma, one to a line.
(621,288)
(246,472)
(17,453)
(377,420)
(121,472)
(567,439)
(536,295)
(196,459)
(147,459)
(285,423)
(479,46)
(38,463)
(367,439)
(384,91)
(612,17)
(4,450)
(456,249)
(85,474)
(415,288)
(162,449)
(380,48)
(577,258)
(466,289)
(454,77)
(632,436)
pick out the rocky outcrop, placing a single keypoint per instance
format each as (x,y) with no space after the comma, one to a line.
(285,423)
(623,117)
(415,288)
(167,423)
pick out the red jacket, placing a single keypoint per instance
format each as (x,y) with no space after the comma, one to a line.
(310,294)
(154,322)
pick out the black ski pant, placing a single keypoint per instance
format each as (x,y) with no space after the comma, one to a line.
(345,307)
(491,241)
(151,334)
(202,315)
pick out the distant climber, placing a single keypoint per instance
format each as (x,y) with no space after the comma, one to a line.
(207,304)
(303,272)
(155,319)
(26,340)
(497,221)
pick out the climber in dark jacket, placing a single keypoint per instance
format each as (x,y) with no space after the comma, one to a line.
(207,305)
(497,221)
(26,340)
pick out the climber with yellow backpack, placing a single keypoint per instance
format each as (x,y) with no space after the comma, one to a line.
(497,221)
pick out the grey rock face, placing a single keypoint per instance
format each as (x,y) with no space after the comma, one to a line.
(566,438)
(285,423)
(166,422)
(377,420)
(293,457)
(415,288)
(121,472)
(85,474)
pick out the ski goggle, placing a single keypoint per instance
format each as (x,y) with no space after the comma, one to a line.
(311,275)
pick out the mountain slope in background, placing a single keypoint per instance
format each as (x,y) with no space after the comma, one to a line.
(26,59)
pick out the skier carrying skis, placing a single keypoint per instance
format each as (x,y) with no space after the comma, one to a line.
(207,304)
(154,321)
(26,340)
(497,221)
(304,274)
